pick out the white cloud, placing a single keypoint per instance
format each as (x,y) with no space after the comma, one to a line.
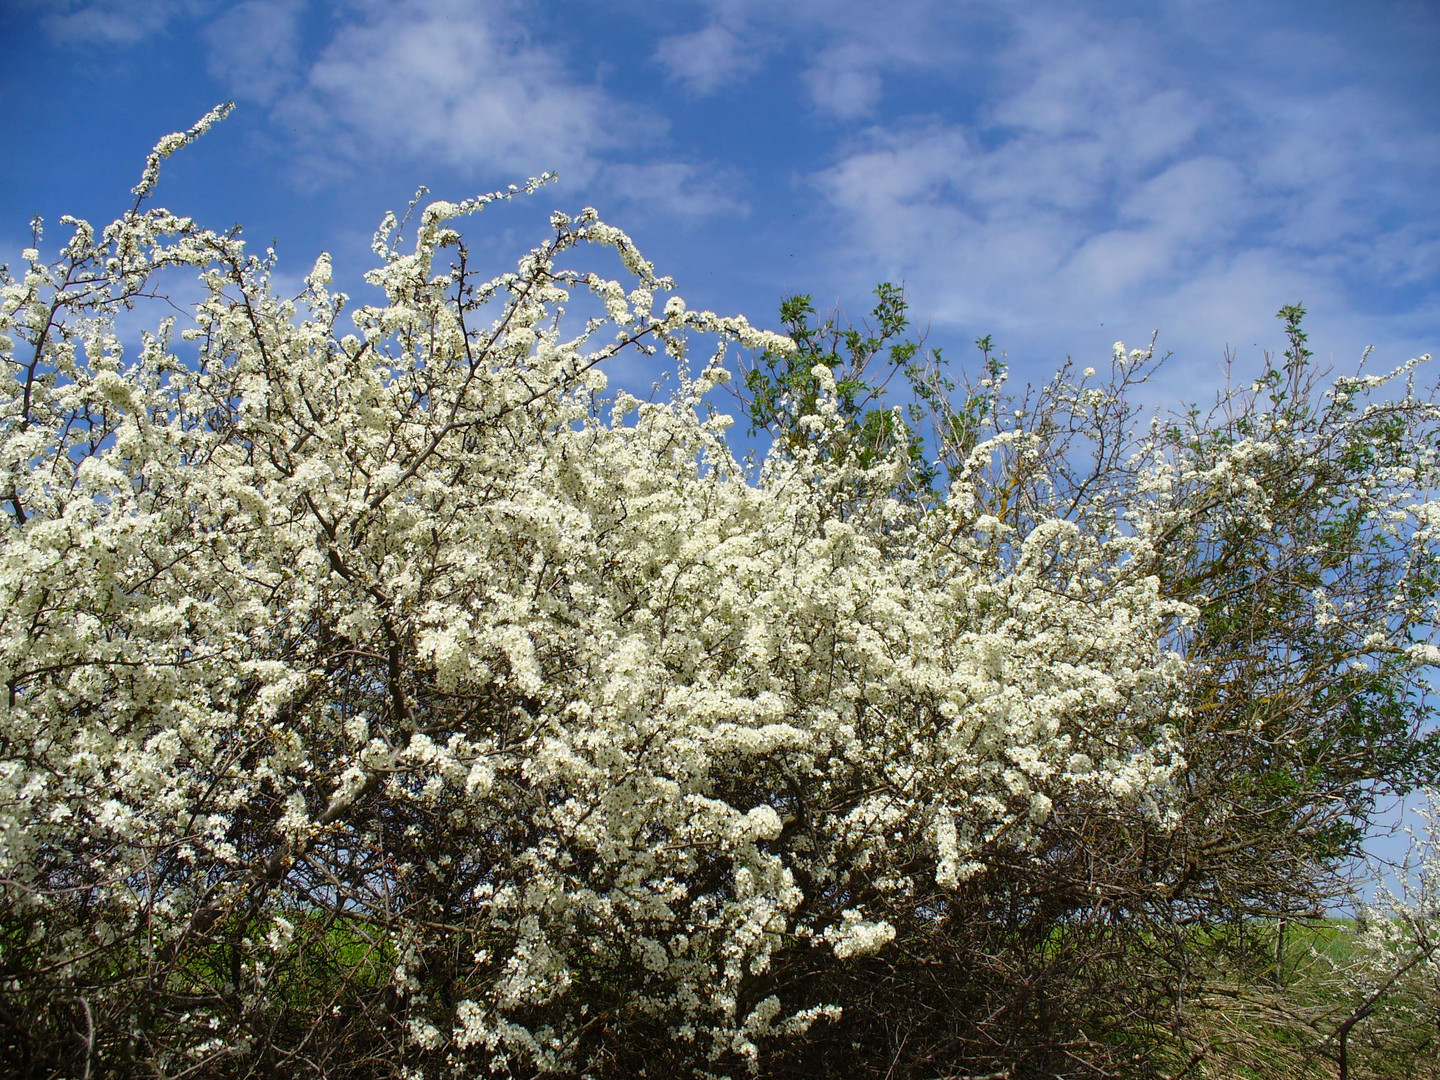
(466,86)
(115,22)
(1100,180)
(253,48)
(1195,198)
(679,191)
(1027,168)
(706,59)
(1066,168)
(459,83)
(843,48)
(844,81)
(1174,225)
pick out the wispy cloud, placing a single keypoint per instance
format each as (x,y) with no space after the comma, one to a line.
(1088,187)
(678,191)
(708,58)
(465,87)
(253,48)
(118,22)
(458,83)
(844,80)
(1031,169)
(1042,168)
(842,48)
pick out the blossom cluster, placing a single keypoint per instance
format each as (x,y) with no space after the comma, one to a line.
(382,641)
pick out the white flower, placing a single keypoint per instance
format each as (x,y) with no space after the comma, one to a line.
(854,936)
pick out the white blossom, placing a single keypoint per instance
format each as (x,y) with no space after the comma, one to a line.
(392,605)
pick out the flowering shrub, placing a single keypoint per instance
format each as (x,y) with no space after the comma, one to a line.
(384,699)
(1390,986)
(1296,521)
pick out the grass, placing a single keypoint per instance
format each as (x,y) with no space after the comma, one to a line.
(1282,1021)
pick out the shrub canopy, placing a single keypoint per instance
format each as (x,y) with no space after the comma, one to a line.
(384,697)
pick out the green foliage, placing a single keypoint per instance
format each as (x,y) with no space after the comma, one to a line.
(784,390)
(1318,717)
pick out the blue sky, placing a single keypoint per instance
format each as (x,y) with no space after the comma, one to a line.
(1058,175)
